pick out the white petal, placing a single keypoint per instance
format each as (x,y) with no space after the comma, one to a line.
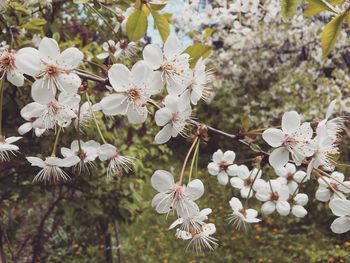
(218,156)
(283,208)
(24,128)
(251,214)
(137,115)
(237,182)
(113,104)
(299,211)
(119,77)
(49,50)
(279,157)
(268,207)
(229,156)
(140,73)
(163,116)
(69,83)
(40,93)
(274,137)
(323,194)
(162,181)
(330,109)
(290,122)
(171,46)
(70,58)
(235,204)
(223,178)
(194,189)
(15,77)
(28,61)
(161,203)
(341,225)
(213,168)
(35,161)
(301,199)
(153,56)
(164,134)
(340,207)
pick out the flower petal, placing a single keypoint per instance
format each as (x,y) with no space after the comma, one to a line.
(153,56)
(119,77)
(194,189)
(290,122)
(162,181)
(279,157)
(341,225)
(274,137)
(340,207)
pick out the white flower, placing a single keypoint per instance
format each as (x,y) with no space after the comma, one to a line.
(332,127)
(199,85)
(86,155)
(51,168)
(59,112)
(175,197)
(134,88)
(325,147)
(291,177)
(275,195)
(200,239)
(222,165)
(174,116)
(341,208)
(294,137)
(240,216)
(247,181)
(7,147)
(117,162)
(325,193)
(298,203)
(53,70)
(122,48)
(8,68)
(172,66)
(193,222)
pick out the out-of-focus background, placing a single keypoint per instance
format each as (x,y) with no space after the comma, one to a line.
(263,66)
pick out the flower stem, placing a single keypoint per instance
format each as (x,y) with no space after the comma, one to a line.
(186,160)
(251,187)
(79,143)
(56,141)
(194,159)
(95,119)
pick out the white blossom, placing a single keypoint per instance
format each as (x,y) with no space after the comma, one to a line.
(240,216)
(332,187)
(8,68)
(7,148)
(222,166)
(247,181)
(298,203)
(340,208)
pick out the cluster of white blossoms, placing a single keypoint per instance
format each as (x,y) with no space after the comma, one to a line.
(312,148)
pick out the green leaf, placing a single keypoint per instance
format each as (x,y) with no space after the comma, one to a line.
(158,6)
(136,26)
(208,32)
(35,24)
(80,1)
(331,32)
(161,22)
(317,6)
(288,7)
(197,51)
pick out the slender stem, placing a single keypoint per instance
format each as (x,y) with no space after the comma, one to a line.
(90,77)
(95,119)
(326,174)
(251,187)
(327,183)
(101,16)
(194,158)
(79,142)
(56,141)
(186,160)
(302,181)
(1,102)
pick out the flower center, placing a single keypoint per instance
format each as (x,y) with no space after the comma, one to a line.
(290,141)
(124,43)
(52,70)
(7,61)
(53,106)
(290,176)
(248,182)
(334,186)
(223,165)
(275,196)
(134,94)
(81,154)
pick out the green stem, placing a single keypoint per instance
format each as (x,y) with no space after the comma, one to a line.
(95,119)
(194,158)
(56,141)
(186,159)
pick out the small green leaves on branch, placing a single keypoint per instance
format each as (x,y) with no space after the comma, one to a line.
(288,7)
(317,6)
(136,26)
(162,24)
(197,51)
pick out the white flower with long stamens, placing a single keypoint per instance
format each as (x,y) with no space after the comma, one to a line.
(59,112)
(340,208)
(172,66)
(275,197)
(119,49)
(294,137)
(199,84)
(332,127)
(298,203)
(325,148)
(291,177)
(8,68)
(200,238)
(247,181)
(7,148)
(175,197)
(52,69)
(51,168)
(134,88)
(222,166)
(193,222)
(174,116)
(86,153)
(117,163)
(241,216)
(332,187)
